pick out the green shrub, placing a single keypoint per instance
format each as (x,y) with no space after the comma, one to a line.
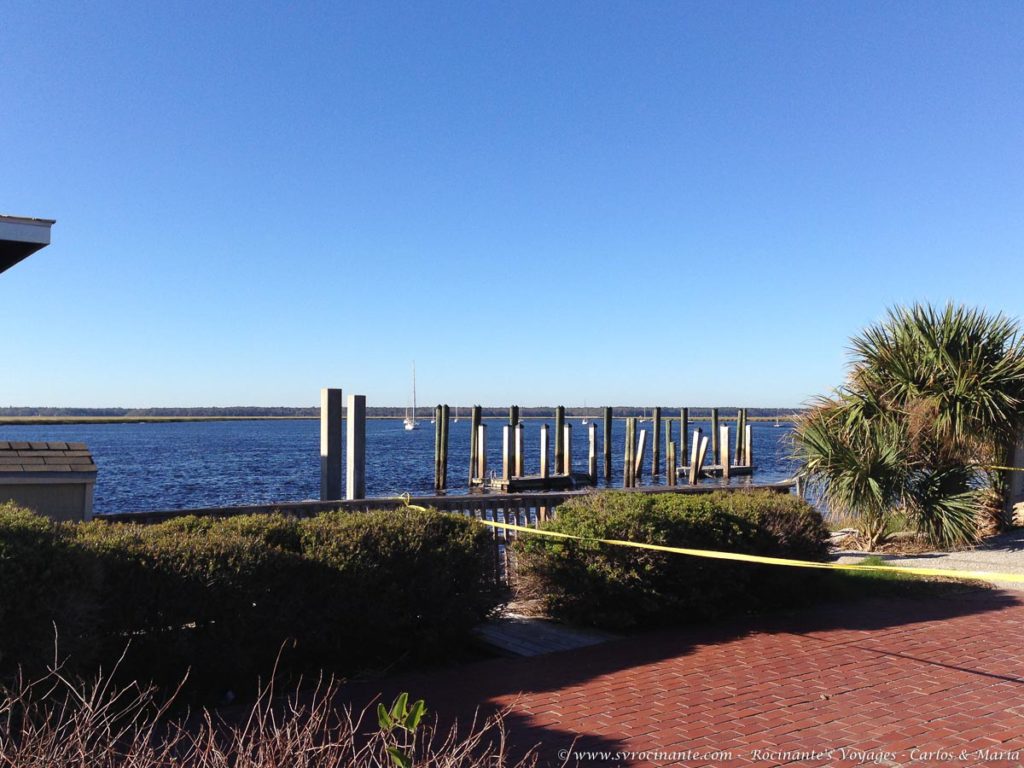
(47,587)
(620,587)
(192,593)
(395,582)
(222,597)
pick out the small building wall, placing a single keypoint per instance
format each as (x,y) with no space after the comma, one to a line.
(53,479)
(58,501)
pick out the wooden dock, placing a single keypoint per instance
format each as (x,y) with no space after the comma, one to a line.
(531,483)
(716,470)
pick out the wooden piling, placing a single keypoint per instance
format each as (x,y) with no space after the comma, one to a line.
(627,460)
(474,428)
(506,452)
(670,457)
(702,455)
(726,459)
(748,444)
(513,419)
(656,444)
(567,447)
(638,471)
(355,448)
(695,449)
(445,414)
(544,450)
(715,453)
(517,447)
(684,433)
(559,437)
(330,444)
(481,452)
(592,453)
(739,438)
(606,447)
(437,447)
(668,442)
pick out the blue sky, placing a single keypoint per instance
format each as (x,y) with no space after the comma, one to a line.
(649,203)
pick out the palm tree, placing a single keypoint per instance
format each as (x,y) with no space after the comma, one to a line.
(943,390)
(859,470)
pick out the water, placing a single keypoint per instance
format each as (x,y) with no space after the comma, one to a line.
(181,465)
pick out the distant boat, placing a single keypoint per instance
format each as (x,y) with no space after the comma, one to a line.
(777,422)
(410,418)
(456,414)
(584,412)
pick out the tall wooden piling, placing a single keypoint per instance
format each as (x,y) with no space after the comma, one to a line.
(544,451)
(714,436)
(668,443)
(627,459)
(506,452)
(606,446)
(592,453)
(481,452)
(330,444)
(474,428)
(684,433)
(656,444)
(517,447)
(748,444)
(726,459)
(355,448)
(437,447)
(567,448)
(739,438)
(445,414)
(559,437)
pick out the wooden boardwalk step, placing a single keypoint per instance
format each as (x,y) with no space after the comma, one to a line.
(517,635)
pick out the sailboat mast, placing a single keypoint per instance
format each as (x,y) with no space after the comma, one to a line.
(414,390)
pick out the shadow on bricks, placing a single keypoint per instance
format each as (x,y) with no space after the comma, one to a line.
(672,687)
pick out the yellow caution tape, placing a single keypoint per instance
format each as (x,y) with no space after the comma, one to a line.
(406,499)
(1007,469)
(980,575)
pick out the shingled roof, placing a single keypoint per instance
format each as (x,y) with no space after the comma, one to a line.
(20,457)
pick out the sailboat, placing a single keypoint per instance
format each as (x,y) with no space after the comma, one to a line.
(584,412)
(456,414)
(410,418)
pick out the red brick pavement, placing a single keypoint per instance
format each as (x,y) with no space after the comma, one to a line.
(882,682)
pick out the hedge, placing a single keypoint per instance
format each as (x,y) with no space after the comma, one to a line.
(341,592)
(620,587)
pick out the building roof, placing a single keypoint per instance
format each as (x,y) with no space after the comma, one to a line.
(20,237)
(19,458)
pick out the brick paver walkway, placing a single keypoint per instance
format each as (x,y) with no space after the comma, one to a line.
(883,682)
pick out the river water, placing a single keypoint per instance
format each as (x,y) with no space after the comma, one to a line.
(182,465)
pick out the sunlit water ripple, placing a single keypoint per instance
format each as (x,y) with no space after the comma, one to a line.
(180,465)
